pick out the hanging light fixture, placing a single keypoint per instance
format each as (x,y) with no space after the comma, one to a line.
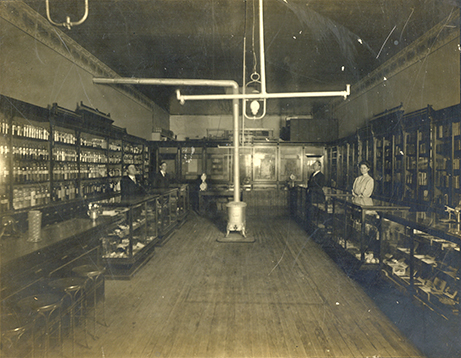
(68,24)
(254,86)
(255,105)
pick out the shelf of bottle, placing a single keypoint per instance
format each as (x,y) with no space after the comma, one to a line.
(64,162)
(93,163)
(64,144)
(98,178)
(38,140)
(24,160)
(90,147)
(30,182)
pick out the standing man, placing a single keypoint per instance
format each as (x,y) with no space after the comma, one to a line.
(130,184)
(315,195)
(316,183)
(162,178)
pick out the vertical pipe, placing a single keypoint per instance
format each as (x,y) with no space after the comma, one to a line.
(261,48)
(235,103)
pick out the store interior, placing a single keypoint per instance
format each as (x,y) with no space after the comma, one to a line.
(240,100)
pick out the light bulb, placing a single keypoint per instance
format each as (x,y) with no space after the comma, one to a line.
(254,106)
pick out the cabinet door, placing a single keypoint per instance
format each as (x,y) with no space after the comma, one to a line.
(191,162)
(398,166)
(218,164)
(93,165)
(290,164)
(443,162)
(64,164)
(456,161)
(115,165)
(5,157)
(264,164)
(30,150)
(424,164)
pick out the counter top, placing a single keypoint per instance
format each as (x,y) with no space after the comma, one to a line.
(430,223)
(369,203)
(126,201)
(13,248)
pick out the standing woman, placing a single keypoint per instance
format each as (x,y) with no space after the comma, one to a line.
(364,184)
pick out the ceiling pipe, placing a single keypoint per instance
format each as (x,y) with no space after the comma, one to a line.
(198,83)
(183,98)
(263,95)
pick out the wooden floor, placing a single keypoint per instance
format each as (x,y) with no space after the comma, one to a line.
(280,296)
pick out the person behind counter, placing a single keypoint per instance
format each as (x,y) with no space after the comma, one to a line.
(130,184)
(315,184)
(162,178)
(315,195)
(364,184)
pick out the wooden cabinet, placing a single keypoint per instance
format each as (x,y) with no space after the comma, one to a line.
(415,157)
(53,155)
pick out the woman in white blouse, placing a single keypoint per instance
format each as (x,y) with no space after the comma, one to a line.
(364,184)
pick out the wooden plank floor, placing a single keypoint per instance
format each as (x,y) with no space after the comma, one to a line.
(280,296)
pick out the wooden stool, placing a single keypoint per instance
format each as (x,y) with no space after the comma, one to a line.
(73,287)
(44,305)
(95,278)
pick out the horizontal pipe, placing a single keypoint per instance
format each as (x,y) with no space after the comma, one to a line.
(199,83)
(166,82)
(183,98)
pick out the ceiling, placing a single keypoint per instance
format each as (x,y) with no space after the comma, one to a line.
(311,45)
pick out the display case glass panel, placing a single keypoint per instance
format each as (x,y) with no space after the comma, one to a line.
(291,163)
(264,164)
(423,258)
(456,161)
(245,164)
(218,163)
(191,162)
(168,155)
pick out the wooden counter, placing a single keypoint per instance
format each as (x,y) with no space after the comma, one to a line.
(25,263)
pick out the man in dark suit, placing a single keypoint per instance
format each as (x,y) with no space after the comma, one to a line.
(130,184)
(315,196)
(315,184)
(162,178)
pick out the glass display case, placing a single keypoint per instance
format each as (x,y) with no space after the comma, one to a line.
(356,227)
(167,210)
(421,253)
(131,240)
(183,202)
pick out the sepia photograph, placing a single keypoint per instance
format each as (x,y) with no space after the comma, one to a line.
(230,178)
